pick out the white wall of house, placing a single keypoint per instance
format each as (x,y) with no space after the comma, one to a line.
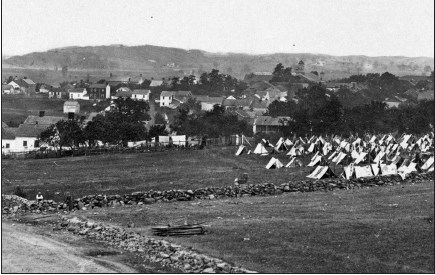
(71,109)
(141,97)
(19,144)
(165,101)
(107,91)
(207,106)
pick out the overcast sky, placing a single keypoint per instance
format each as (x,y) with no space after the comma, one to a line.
(336,27)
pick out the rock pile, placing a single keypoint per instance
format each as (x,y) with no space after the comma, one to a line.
(140,198)
(160,251)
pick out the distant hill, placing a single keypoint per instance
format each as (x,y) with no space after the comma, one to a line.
(160,61)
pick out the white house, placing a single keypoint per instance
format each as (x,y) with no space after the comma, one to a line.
(141,94)
(71,106)
(207,103)
(15,85)
(166,98)
(21,139)
(78,93)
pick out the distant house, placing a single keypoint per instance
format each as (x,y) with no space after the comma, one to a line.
(141,94)
(44,89)
(392,102)
(21,139)
(123,89)
(412,93)
(123,94)
(335,86)
(71,106)
(137,79)
(116,80)
(23,85)
(242,104)
(78,93)
(208,103)
(156,83)
(99,91)
(259,107)
(426,95)
(166,97)
(257,76)
(58,93)
(8,89)
(268,124)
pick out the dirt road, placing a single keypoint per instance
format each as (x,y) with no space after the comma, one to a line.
(25,250)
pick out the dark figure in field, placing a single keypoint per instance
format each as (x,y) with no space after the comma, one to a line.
(69,201)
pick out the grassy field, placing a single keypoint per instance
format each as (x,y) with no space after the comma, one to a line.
(125,173)
(377,230)
(385,229)
(17,108)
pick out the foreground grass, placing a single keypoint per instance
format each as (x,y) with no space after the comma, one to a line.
(377,230)
(125,173)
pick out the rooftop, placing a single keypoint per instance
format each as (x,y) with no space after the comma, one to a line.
(45,120)
(271,121)
(141,92)
(97,85)
(71,103)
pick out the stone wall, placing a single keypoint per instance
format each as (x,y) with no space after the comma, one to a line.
(140,198)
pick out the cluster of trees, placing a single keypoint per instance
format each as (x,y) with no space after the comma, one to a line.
(214,123)
(320,113)
(281,74)
(212,83)
(123,124)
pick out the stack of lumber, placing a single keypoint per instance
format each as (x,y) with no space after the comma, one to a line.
(179,230)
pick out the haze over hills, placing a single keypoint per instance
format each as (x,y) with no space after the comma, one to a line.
(164,61)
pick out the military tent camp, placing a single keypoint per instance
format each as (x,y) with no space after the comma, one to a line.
(363,171)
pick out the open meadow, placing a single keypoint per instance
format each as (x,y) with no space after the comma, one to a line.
(126,173)
(377,230)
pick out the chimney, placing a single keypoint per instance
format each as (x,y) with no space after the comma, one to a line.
(41,113)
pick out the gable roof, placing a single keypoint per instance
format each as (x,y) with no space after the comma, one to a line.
(25,130)
(4,125)
(141,92)
(428,95)
(97,85)
(183,93)
(124,94)
(8,132)
(209,99)
(77,90)
(71,103)
(29,81)
(156,83)
(45,120)
(167,93)
(258,104)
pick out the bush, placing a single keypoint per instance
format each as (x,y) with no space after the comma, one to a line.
(19,191)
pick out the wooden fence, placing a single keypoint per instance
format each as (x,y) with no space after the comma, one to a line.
(147,147)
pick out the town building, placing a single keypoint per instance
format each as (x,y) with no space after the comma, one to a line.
(71,106)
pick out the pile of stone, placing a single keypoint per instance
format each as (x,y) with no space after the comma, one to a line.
(160,251)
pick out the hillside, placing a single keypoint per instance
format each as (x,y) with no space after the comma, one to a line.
(162,61)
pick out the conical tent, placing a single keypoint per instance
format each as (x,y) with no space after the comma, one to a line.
(288,142)
(315,161)
(361,157)
(260,150)
(274,163)
(349,171)
(281,146)
(388,169)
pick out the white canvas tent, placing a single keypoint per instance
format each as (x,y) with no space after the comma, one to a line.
(179,140)
(388,169)
(288,142)
(315,161)
(260,150)
(320,172)
(274,163)
(349,171)
(428,163)
(240,150)
(363,171)
(360,157)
